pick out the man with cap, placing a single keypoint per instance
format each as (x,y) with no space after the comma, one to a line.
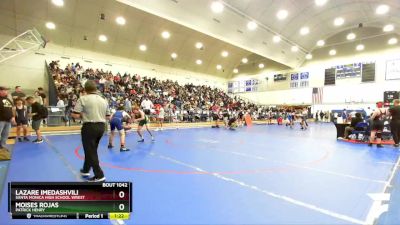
(94,112)
(6,115)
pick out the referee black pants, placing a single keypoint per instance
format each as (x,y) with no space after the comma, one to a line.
(395,129)
(91,134)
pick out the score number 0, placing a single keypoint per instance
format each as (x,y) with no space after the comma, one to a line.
(121,206)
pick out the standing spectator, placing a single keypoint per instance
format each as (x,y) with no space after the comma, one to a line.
(344,115)
(18,94)
(6,116)
(395,123)
(21,118)
(38,98)
(146,105)
(216,114)
(93,110)
(43,95)
(160,117)
(128,105)
(321,116)
(37,114)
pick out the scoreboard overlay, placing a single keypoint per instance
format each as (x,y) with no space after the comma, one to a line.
(69,200)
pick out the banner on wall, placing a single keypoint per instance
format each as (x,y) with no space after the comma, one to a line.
(243,86)
(299,80)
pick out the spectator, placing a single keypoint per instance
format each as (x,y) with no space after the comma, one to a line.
(147,105)
(354,121)
(43,95)
(6,116)
(60,102)
(18,94)
(38,98)
(128,105)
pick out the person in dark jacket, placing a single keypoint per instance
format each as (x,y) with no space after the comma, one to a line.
(353,124)
(6,116)
(395,122)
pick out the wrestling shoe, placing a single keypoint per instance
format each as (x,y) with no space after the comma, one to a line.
(152,139)
(379,145)
(37,141)
(84,174)
(110,146)
(369,144)
(19,139)
(96,179)
(396,145)
(124,149)
(141,140)
(26,139)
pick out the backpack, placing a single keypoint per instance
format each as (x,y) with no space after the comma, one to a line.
(44,112)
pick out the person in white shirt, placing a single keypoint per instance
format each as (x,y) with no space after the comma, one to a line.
(60,102)
(146,105)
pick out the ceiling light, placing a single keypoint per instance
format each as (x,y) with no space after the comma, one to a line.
(320,2)
(332,52)
(58,2)
(165,34)
(388,28)
(382,9)
(304,30)
(392,41)
(235,70)
(260,65)
(252,25)
(338,21)
(217,7)
(321,43)
(120,20)
(295,48)
(282,14)
(102,37)
(276,39)
(308,56)
(142,48)
(360,47)
(50,25)
(219,67)
(174,55)
(199,62)
(199,45)
(245,60)
(351,36)
(224,53)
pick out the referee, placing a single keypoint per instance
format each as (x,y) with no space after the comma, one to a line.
(93,110)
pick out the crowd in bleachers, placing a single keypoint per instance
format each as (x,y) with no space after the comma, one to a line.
(193,102)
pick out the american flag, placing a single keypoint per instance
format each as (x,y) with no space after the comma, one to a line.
(317,94)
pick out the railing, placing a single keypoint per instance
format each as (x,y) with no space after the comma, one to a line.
(51,86)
